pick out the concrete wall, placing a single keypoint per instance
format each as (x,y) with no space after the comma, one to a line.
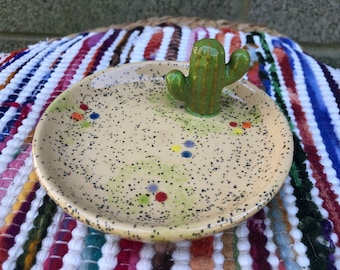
(314,24)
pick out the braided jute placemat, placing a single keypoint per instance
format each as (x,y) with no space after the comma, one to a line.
(191,22)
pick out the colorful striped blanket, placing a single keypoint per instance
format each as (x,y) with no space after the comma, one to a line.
(298,229)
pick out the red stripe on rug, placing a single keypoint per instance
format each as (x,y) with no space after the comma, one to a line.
(71,70)
(153,46)
(60,246)
(201,253)
(326,193)
(128,256)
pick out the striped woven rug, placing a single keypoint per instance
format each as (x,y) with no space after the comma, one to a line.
(298,229)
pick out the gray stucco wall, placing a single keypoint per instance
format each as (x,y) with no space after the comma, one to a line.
(314,24)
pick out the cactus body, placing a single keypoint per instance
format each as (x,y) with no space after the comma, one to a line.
(208,75)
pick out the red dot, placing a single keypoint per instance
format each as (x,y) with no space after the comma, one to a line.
(233,124)
(161,196)
(84,107)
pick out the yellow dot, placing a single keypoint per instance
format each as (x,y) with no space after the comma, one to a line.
(238,131)
(176,148)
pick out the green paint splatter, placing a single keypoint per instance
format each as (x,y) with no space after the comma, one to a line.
(128,195)
(232,109)
(65,102)
(67,140)
(86,124)
(144,199)
(68,104)
(155,168)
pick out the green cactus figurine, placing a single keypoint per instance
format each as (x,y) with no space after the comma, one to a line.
(208,75)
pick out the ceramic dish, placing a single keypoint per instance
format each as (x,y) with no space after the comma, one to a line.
(116,152)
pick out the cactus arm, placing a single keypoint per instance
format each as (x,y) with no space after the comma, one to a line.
(177,85)
(237,66)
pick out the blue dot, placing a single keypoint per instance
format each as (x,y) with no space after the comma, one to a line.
(189,143)
(152,188)
(94,116)
(186,154)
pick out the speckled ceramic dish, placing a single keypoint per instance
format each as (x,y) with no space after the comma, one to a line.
(117,153)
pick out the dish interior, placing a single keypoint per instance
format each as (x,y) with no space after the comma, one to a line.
(118,153)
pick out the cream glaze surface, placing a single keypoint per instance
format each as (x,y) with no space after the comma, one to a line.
(118,153)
